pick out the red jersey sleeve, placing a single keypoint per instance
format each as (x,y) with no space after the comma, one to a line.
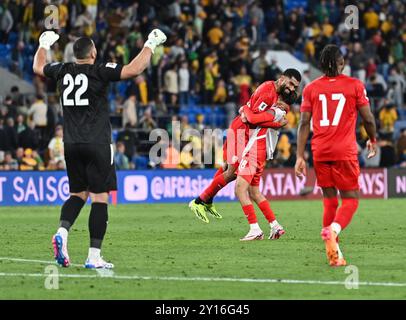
(264,97)
(306,100)
(361,95)
(264,119)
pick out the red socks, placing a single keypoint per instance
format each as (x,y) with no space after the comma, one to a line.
(215,186)
(219,171)
(267,211)
(330,208)
(346,212)
(249,212)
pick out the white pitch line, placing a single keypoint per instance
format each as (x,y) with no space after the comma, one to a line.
(36,261)
(204,279)
(110,274)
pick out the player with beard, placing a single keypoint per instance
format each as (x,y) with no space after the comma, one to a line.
(260,111)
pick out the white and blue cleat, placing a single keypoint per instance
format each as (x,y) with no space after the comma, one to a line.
(60,250)
(98,263)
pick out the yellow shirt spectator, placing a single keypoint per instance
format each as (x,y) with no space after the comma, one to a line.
(371,20)
(386,26)
(284,147)
(215,35)
(328,30)
(63,15)
(388,117)
(220,95)
(292,120)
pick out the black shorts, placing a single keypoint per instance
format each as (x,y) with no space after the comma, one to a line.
(90,167)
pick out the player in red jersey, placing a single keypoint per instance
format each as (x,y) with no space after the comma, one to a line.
(333,102)
(260,147)
(264,97)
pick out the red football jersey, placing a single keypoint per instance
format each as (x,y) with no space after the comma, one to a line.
(263,98)
(334,103)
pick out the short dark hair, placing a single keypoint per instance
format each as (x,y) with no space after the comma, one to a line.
(328,60)
(292,73)
(82,47)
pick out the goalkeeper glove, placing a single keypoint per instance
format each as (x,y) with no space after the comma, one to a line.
(47,39)
(155,38)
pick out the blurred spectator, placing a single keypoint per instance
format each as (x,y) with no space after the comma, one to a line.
(130,112)
(398,83)
(243,81)
(147,123)
(129,139)
(200,126)
(259,66)
(120,159)
(6,21)
(9,163)
(358,59)
(11,135)
(283,148)
(20,124)
(388,154)
(387,118)
(29,138)
(38,112)
(55,149)
(184,77)
(215,34)
(401,146)
(28,162)
(171,86)
(172,158)
(220,95)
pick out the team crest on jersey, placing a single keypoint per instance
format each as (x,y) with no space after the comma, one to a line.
(111,65)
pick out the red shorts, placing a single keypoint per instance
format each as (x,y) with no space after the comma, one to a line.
(342,174)
(252,166)
(235,143)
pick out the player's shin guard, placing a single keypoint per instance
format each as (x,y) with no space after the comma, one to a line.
(215,186)
(330,208)
(97,224)
(70,211)
(265,207)
(346,212)
(249,212)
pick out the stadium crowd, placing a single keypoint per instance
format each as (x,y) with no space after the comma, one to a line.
(214,58)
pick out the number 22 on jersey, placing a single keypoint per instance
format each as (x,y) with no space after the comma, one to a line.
(80,80)
(325,121)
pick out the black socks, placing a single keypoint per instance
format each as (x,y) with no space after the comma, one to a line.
(70,211)
(98,219)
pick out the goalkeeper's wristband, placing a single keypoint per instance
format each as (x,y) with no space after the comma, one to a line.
(45,46)
(150,44)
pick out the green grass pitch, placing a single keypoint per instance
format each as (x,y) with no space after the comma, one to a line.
(162,251)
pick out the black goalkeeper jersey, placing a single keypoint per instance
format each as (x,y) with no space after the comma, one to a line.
(83,92)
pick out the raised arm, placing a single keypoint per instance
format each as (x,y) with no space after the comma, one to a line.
(141,61)
(46,40)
